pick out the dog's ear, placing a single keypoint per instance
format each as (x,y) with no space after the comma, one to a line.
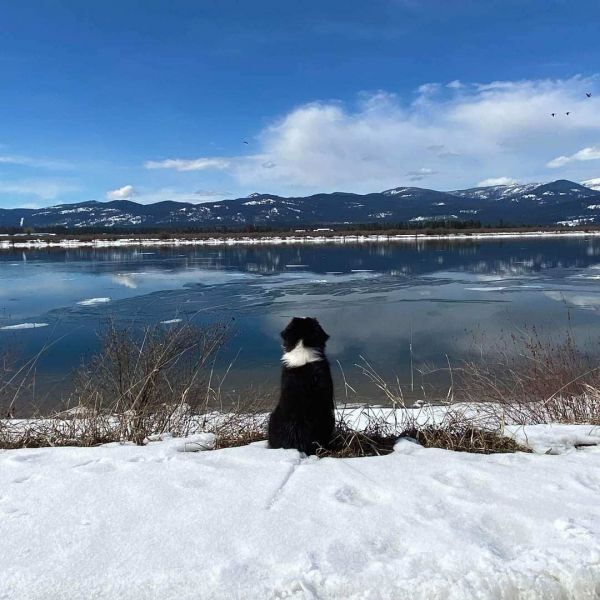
(318,336)
(291,335)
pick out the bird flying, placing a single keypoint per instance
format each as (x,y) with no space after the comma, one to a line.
(567,113)
(553,114)
(245,142)
(588,94)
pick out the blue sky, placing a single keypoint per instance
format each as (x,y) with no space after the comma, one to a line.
(153,100)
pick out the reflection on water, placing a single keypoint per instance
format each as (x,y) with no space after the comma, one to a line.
(370,298)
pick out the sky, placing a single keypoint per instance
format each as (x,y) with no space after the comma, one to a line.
(203,100)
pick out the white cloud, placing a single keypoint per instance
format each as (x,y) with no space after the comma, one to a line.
(420,174)
(122,193)
(497,181)
(429,88)
(196,164)
(27,161)
(42,189)
(177,195)
(461,131)
(589,153)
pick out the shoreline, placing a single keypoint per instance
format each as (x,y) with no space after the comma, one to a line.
(289,239)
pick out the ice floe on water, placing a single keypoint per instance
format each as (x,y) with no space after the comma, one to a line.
(93,301)
(23,326)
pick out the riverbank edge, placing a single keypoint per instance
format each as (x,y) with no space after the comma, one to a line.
(291,239)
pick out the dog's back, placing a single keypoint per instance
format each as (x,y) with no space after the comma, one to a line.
(304,417)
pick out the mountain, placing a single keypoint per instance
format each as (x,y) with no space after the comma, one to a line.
(559,202)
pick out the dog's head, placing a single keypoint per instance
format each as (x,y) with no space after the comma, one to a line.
(306,329)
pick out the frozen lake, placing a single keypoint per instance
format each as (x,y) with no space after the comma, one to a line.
(453,298)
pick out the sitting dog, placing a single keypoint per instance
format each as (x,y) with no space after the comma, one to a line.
(304,417)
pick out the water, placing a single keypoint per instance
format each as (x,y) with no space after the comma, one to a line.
(451,299)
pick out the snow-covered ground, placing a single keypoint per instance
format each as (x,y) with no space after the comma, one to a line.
(170,521)
(277,240)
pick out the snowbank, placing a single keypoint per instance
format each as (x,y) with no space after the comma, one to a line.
(164,521)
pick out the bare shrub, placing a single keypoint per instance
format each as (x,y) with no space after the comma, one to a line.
(17,380)
(535,379)
(149,383)
(138,385)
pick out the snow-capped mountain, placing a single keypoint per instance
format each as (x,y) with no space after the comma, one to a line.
(559,202)
(497,192)
(593,184)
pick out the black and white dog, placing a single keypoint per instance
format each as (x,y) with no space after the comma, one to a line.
(304,417)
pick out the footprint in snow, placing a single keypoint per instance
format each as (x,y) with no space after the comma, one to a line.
(192,484)
(21,479)
(350,495)
(96,466)
(85,463)
(570,529)
(8,510)
(25,456)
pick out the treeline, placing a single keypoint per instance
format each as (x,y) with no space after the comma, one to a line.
(167,232)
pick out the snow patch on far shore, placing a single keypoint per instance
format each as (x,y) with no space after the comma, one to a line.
(23,326)
(277,240)
(93,301)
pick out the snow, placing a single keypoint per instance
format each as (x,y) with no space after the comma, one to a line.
(23,326)
(410,238)
(593,184)
(576,222)
(172,521)
(500,191)
(93,301)
(395,191)
(259,202)
(170,321)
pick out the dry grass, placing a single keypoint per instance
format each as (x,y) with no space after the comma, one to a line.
(56,432)
(243,423)
(465,439)
(353,443)
(372,431)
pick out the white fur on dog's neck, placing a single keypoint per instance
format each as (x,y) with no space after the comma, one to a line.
(300,356)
